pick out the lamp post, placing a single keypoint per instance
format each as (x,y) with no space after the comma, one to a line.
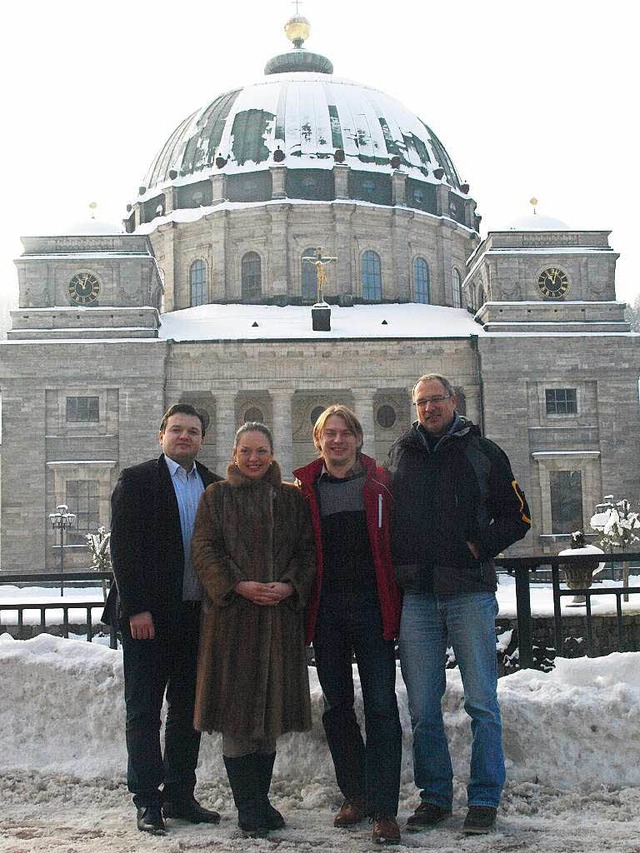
(61,520)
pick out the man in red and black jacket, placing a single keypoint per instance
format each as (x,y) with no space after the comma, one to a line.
(355,609)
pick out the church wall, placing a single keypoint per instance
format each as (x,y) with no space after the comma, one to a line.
(288,380)
(42,451)
(600,440)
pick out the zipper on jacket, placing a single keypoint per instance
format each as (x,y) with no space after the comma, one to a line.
(379,512)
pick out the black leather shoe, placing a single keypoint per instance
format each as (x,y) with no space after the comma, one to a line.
(150,819)
(189,810)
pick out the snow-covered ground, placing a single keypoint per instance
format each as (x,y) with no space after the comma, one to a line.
(571,739)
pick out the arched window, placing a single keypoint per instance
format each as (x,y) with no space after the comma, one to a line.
(251,277)
(315,414)
(371,276)
(198,283)
(309,277)
(456,282)
(253,413)
(421,280)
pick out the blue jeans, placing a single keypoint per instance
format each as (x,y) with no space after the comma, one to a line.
(350,624)
(431,623)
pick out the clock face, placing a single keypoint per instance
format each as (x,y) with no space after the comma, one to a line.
(84,288)
(553,283)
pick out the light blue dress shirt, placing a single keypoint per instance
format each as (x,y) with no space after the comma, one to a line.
(188,488)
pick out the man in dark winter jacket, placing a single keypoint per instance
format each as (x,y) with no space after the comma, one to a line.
(457,505)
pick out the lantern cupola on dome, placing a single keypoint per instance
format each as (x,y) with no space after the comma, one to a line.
(297,30)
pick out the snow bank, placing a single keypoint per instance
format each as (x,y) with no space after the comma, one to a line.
(62,711)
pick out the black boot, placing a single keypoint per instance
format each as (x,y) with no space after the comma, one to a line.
(273,818)
(244,778)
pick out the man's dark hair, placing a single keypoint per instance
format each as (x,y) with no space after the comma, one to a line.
(182,409)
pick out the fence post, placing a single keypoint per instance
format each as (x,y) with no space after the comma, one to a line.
(523,611)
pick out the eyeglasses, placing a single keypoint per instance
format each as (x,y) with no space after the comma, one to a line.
(435,401)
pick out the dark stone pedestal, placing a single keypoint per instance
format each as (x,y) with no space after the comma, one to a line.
(321,317)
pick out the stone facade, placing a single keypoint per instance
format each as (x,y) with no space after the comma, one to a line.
(548,369)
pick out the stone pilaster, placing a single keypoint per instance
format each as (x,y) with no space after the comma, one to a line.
(363,402)
(341,179)
(282,439)
(278,178)
(225,429)
(399,188)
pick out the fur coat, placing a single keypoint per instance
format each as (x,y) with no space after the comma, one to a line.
(252,666)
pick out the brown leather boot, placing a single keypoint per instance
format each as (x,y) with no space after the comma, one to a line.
(351,812)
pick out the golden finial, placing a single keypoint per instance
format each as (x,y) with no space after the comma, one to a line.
(297,29)
(534,203)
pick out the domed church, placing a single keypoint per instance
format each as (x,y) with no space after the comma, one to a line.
(298,242)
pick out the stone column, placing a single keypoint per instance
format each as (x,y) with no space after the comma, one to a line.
(170,200)
(442,200)
(282,432)
(225,429)
(399,188)
(363,401)
(341,180)
(218,188)
(278,179)
(277,284)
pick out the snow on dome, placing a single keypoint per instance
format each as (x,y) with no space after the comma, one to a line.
(94,226)
(86,227)
(300,116)
(305,117)
(536,222)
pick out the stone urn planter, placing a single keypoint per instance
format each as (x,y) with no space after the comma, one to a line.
(579,573)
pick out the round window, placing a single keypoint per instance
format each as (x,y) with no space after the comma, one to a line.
(386,416)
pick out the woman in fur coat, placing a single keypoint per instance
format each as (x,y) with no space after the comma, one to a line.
(253,549)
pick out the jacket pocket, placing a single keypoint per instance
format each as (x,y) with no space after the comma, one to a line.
(473,577)
(407,575)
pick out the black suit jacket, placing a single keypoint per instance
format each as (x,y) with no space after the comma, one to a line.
(146,542)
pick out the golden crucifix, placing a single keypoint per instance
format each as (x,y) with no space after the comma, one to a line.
(320,263)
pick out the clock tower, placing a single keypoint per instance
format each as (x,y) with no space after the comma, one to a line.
(541,276)
(87,286)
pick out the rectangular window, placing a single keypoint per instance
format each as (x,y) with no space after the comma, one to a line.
(82,500)
(566,501)
(561,401)
(83,410)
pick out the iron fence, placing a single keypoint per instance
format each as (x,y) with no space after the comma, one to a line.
(71,610)
(523,567)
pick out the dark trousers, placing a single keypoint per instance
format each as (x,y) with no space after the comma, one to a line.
(167,662)
(350,624)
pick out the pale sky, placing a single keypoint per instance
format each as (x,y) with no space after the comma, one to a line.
(530,100)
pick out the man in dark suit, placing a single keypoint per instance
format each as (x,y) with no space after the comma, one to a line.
(158,610)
